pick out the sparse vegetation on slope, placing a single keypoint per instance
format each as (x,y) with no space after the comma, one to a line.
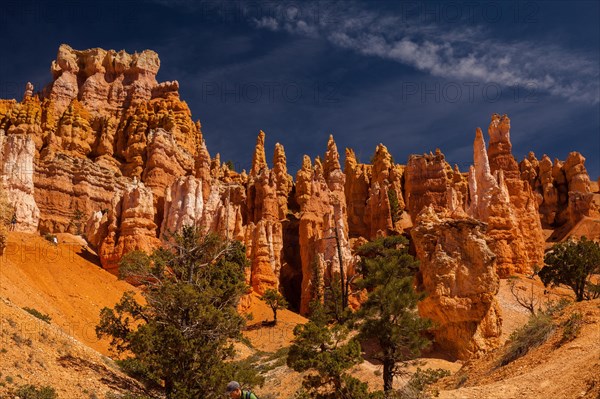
(552,369)
(33,392)
(537,330)
(38,314)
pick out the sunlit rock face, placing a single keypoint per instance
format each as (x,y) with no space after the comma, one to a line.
(264,231)
(323,224)
(102,121)
(490,203)
(523,201)
(17,152)
(430,180)
(563,189)
(375,195)
(130,226)
(458,270)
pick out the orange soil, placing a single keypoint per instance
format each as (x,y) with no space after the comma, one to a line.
(270,338)
(62,281)
(38,353)
(570,370)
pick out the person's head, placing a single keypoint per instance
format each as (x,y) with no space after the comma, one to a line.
(234,390)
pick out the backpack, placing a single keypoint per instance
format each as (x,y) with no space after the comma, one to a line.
(248,395)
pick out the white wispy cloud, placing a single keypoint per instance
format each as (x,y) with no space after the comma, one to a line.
(452,51)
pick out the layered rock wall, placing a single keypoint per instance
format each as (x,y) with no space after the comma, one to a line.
(130,226)
(563,189)
(102,121)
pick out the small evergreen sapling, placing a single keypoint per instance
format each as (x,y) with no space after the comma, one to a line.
(276,302)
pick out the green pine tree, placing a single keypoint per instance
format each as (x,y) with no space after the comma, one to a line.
(183,333)
(573,263)
(389,315)
(328,352)
(276,301)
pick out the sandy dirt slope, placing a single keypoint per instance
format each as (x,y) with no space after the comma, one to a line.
(553,370)
(35,352)
(62,281)
(270,338)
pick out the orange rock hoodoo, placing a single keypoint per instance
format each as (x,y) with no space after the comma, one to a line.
(524,203)
(458,270)
(323,222)
(562,189)
(107,141)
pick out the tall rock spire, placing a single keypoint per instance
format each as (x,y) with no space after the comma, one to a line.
(259,160)
(332,158)
(500,198)
(500,149)
(283,180)
(483,174)
(304,181)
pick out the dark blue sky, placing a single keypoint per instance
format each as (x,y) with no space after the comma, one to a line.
(414,75)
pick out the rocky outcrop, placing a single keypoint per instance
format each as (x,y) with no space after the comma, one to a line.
(86,75)
(184,205)
(583,205)
(102,123)
(106,115)
(384,213)
(524,203)
(17,152)
(130,226)
(220,212)
(320,195)
(582,202)
(65,183)
(96,228)
(246,208)
(264,235)
(490,203)
(374,195)
(576,173)
(428,177)
(283,181)
(459,276)
(356,189)
(562,188)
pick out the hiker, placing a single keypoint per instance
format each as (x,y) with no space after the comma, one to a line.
(234,390)
(13,222)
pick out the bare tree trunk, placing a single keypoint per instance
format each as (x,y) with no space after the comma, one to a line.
(388,375)
(169,388)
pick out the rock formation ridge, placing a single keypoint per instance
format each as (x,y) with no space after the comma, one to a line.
(107,141)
